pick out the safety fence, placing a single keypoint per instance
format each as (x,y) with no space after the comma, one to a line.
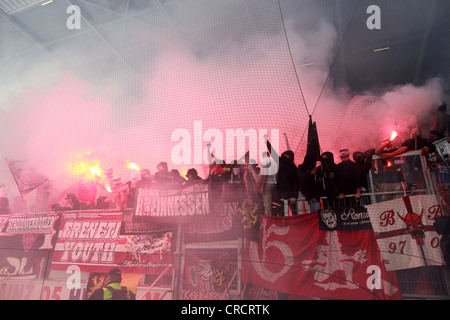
(340,252)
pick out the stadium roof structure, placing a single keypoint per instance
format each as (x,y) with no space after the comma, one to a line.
(163,65)
(414,34)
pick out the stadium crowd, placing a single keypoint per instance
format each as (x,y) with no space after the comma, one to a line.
(277,178)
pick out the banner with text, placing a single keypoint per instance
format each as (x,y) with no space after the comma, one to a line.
(26,241)
(92,241)
(349,218)
(186,202)
(405,233)
(27,223)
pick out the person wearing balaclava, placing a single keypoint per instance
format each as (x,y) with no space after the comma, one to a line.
(364,164)
(348,179)
(192,176)
(287,180)
(161,178)
(325,178)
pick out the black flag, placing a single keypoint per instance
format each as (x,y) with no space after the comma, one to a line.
(313,148)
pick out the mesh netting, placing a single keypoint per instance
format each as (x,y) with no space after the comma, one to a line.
(143,82)
(120,87)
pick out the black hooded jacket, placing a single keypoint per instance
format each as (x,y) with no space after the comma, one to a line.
(287,179)
(325,176)
(308,183)
(364,164)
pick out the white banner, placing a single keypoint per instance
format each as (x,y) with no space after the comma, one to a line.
(405,233)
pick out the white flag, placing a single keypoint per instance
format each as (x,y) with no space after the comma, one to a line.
(405,233)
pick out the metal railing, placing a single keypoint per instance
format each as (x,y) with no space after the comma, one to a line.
(424,184)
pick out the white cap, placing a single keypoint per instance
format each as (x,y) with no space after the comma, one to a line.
(265,163)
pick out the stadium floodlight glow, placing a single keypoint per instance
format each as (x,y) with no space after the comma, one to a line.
(12,7)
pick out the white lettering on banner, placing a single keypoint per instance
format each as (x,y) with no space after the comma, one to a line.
(149,203)
(88,251)
(94,243)
(18,265)
(106,230)
(30,224)
(405,233)
(259,265)
(353,214)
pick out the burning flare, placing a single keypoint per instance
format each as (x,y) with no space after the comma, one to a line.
(132,166)
(393,135)
(96,171)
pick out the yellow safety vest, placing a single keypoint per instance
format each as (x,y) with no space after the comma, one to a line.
(107,294)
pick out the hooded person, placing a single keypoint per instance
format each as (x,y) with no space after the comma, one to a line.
(364,162)
(348,179)
(325,177)
(176,179)
(287,181)
(161,177)
(192,175)
(308,185)
(74,202)
(146,177)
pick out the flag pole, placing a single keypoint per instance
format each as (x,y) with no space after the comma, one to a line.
(407,202)
(423,256)
(287,141)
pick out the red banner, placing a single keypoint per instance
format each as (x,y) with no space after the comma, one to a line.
(294,256)
(92,241)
